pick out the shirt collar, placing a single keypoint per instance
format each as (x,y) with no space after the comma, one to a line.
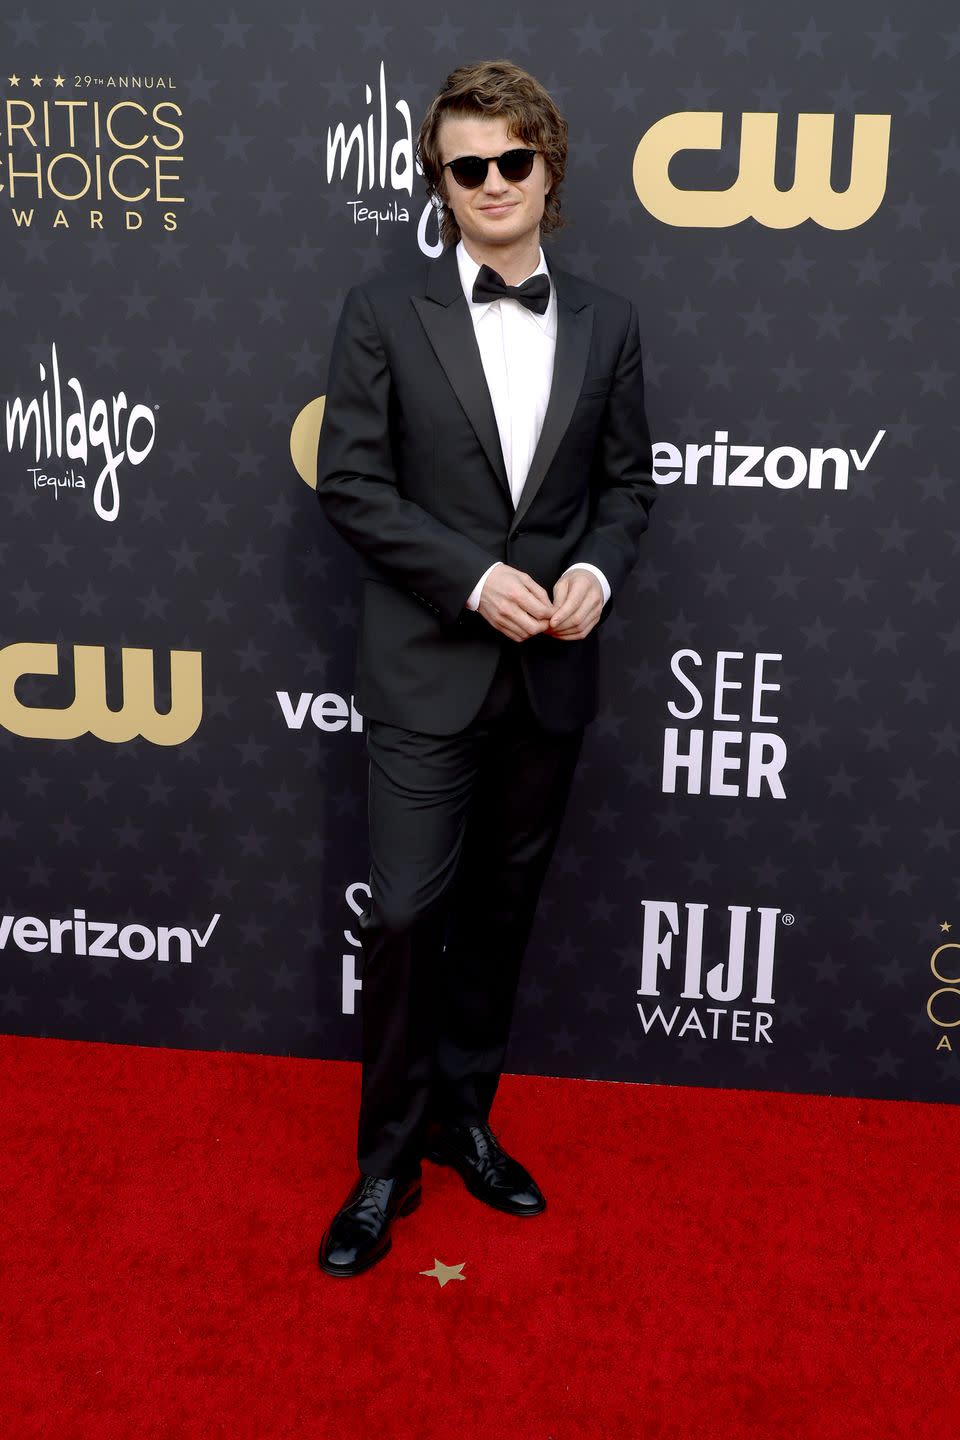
(469,270)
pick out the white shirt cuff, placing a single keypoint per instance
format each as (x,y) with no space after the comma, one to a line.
(582,565)
(473,599)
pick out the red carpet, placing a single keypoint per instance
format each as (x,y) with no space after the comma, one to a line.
(712,1264)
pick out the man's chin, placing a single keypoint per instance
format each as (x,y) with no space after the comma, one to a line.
(503,234)
(499,236)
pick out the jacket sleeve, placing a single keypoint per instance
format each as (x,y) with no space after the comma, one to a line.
(623,484)
(357,482)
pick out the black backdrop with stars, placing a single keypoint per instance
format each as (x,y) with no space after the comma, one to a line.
(205,872)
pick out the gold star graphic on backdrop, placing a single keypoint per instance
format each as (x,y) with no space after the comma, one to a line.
(945,926)
(58,81)
(443,1273)
(36,80)
(14,79)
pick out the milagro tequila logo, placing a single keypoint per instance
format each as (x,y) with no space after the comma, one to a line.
(62,424)
(378,153)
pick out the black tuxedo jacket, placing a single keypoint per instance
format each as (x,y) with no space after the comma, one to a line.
(410,471)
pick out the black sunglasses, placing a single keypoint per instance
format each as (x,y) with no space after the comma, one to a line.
(470,171)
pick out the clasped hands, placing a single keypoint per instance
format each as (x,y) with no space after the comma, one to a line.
(513,603)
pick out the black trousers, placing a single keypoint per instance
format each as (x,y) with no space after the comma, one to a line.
(462,828)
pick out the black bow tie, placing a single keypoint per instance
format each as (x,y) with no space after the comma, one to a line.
(533,293)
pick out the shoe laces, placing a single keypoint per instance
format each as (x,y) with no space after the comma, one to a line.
(483,1130)
(373,1188)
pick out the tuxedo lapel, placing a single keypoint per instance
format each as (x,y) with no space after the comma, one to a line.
(445,316)
(574,329)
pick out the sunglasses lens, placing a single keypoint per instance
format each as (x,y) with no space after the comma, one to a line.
(516,164)
(469,171)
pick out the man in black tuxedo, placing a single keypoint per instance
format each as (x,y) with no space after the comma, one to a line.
(485,449)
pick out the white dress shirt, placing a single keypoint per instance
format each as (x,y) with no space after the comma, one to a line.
(517,348)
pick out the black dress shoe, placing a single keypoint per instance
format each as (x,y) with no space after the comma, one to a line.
(489,1172)
(359,1233)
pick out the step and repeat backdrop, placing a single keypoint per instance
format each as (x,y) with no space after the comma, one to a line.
(756,884)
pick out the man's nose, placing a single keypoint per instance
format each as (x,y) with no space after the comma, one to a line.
(494,183)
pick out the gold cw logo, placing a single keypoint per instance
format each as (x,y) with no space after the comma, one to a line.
(88,712)
(754,193)
(943,1006)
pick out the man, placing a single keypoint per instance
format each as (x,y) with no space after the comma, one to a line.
(485,449)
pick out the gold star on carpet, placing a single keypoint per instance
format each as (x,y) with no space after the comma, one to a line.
(58,81)
(443,1273)
(945,926)
(14,79)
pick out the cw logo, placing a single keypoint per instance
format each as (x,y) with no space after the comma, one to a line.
(88,712)
(754,193)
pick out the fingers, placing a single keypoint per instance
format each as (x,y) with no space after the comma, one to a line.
(579,602)
(578,609)
(513,603)
(567,608)
(535,599)
(578,628)
(519,625)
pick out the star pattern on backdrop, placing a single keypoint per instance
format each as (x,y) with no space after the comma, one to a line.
(223,327)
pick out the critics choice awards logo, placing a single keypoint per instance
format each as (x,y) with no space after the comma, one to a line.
(943,1002)
(88,149)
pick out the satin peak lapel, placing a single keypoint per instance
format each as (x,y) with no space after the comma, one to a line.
(574,330)
(445,317)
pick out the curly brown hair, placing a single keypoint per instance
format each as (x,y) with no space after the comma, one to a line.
(496,88)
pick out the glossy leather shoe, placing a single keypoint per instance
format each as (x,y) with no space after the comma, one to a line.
(359,1233)
(489,1172)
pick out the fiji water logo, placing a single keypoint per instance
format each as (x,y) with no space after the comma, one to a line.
(721,986)
(62,424)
